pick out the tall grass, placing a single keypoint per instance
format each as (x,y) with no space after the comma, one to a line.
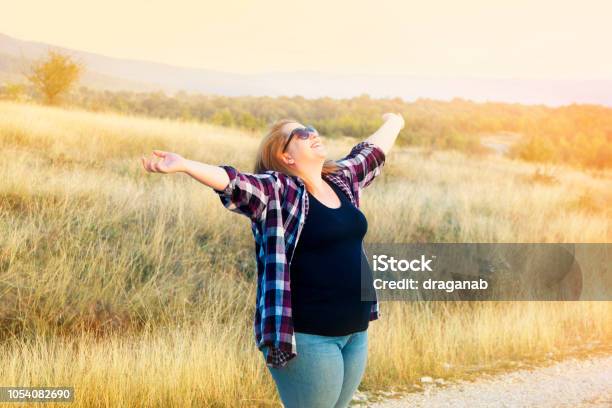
(138,289)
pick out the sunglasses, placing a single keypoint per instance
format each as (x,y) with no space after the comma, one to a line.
(302,133)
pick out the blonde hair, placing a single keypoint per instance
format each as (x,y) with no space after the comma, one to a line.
(271,149)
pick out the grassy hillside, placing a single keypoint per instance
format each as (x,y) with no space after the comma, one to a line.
(138,289)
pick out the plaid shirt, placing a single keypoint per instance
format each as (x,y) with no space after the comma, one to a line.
(277,205)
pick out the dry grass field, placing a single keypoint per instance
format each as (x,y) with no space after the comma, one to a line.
(138,289)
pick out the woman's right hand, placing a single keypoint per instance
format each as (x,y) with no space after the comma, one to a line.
(169,163)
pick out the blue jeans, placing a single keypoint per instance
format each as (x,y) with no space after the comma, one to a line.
(325,373)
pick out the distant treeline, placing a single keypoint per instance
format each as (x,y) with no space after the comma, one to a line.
(578,135)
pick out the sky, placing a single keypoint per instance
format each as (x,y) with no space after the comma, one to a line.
(537,39)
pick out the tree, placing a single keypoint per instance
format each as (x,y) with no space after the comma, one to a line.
(54,75)
(14,91)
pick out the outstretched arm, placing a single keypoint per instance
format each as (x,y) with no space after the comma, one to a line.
(385,136)
(243,193)
(207,174)
(213,176)
(366,159)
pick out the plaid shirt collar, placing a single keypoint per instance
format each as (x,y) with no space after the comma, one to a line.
(277,205)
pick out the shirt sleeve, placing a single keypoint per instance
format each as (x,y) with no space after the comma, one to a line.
(277,358)
(364,162)
(246,193)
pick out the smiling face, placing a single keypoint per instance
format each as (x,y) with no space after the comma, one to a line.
(311,150)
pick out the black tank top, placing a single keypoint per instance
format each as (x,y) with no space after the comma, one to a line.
(326,270)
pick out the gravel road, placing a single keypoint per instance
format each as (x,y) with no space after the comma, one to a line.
(570,383)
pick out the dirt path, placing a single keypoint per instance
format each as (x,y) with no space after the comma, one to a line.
(570,383)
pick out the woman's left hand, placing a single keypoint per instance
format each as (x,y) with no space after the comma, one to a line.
(394,116)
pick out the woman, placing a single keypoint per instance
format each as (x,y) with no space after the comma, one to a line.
(310,323)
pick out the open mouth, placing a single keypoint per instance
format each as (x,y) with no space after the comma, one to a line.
(315,144)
